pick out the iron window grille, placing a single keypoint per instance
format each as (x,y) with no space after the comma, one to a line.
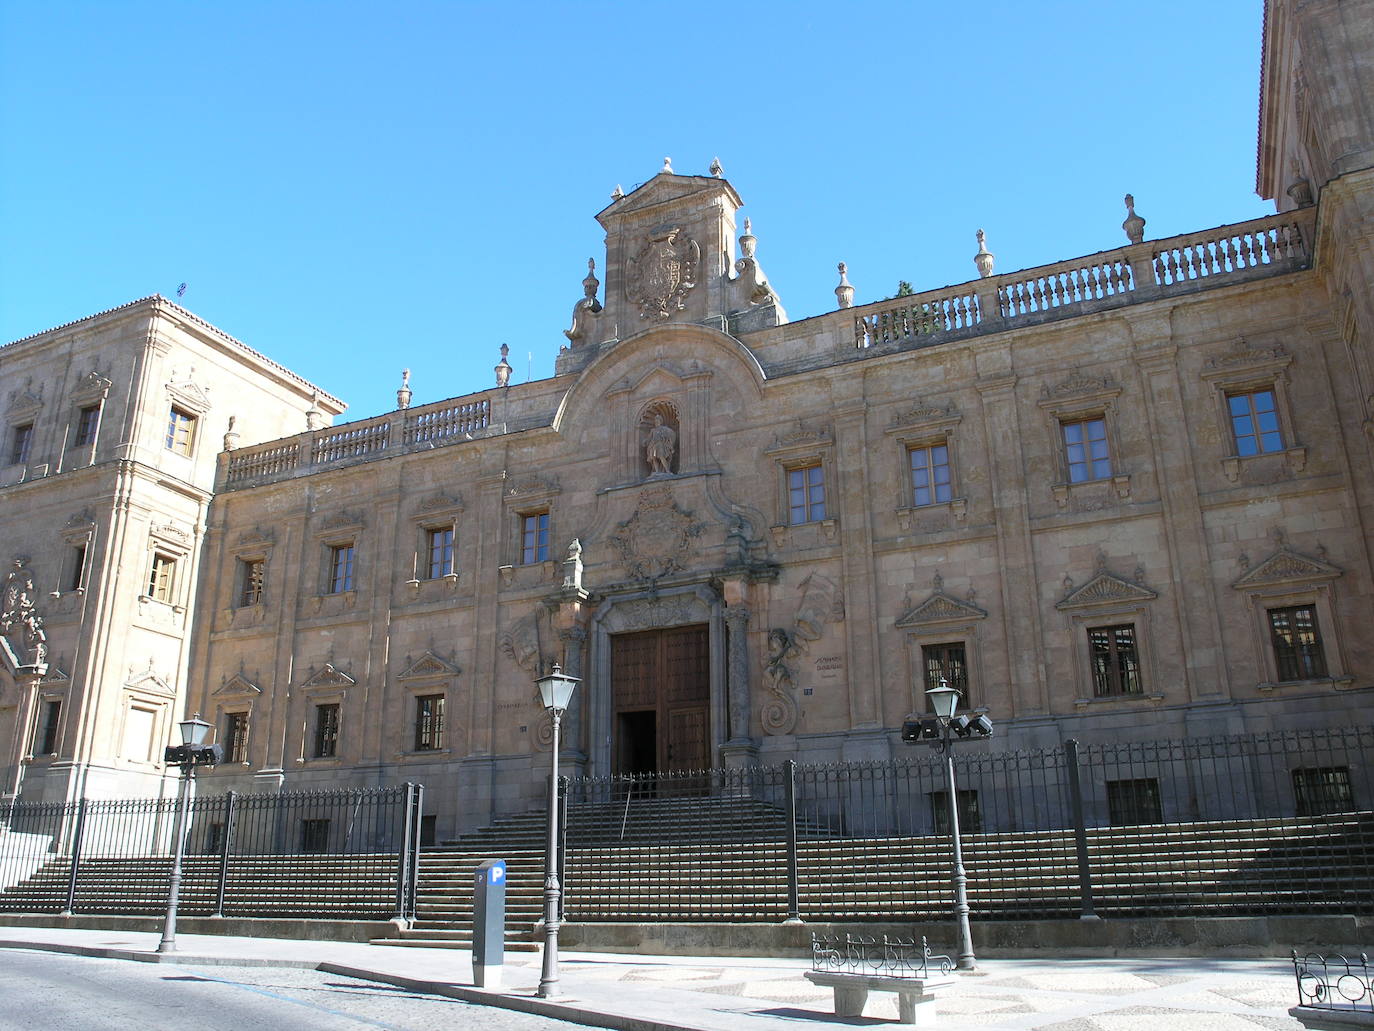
(326,730)
(236,737)
(1297,640)
(1319,790)
(951,662)
(429,723)
(252,573)
(1115,660)
(1134,801)
(970,817)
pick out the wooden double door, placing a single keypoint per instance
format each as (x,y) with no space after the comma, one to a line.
(661,694)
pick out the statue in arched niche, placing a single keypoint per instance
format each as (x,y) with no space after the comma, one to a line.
(660,439)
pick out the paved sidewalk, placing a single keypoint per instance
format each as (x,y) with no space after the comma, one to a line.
(665,993)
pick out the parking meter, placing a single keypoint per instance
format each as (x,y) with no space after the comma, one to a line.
(489,923)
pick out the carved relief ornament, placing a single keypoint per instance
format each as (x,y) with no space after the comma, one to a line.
(656,540)
(660,275)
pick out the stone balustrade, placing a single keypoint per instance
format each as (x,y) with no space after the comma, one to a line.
(444,422)
(1109,279)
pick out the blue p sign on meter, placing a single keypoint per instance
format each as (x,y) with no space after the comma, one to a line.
(489,923)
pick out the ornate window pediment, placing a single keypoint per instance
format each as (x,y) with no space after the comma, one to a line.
(340,524)
(188,394)
(328,675)
(438,505)
(938,609)
(801,442)
(428,667)
(174,536)
(1105,589)
(1078,391)
(238,686)
(925,419)
(92,389)
(24,405)
(148,680)
(1286,568)
(531,489)
(55,675)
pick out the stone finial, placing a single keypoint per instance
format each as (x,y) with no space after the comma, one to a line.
(748,243)
(984,258)
(231,436)
(667,166)
(1134,224)
(314,418)
(503,368)
(716,168)
(844,293)
(403,395)
(590,283)
(617,193)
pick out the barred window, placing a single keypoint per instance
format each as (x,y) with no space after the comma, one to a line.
(1115,660)
(326,730)
(1134,801)
(235,737)
(970,818)
(951,662)
(1297,643)
(252,573)
(1320,790)
(315,835)
(429,723)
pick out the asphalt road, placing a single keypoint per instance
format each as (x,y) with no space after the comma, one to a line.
(43,991)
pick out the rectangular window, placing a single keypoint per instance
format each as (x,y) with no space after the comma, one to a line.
(440,552)
(315,835)
(929,474)
(78,567)
(429,723)
(534,537)
(1297,643)
(970,819)
(1130,802)
(181,431)
(949,661)
(340,568)
(162,577)
(1323,789)
(806,494)
(252,572)
(46,731)
(235,737)
(326,730)
(1085,448)
(214,837)
(1254,422)
(20,439)
(87,420)
(1115,661)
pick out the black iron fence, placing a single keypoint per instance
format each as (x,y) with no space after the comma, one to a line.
(1344,984)
(1225,825)
(342,854)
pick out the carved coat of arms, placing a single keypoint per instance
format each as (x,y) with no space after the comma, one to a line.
(662,273)
(655,540)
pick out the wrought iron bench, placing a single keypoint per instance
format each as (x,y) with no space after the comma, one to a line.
(854,965)
(1334,993)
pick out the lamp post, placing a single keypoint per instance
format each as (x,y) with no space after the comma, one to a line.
(555,691)
(192,752)
(941,731)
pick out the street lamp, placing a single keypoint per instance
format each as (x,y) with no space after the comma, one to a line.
(555,691)
(940,732)
(192,752)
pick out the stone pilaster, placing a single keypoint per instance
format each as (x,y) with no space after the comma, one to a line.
(737,671)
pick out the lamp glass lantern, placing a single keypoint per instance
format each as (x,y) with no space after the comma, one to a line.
(944,699)
(194,731)
(556,689)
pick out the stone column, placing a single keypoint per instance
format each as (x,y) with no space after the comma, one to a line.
(737,672)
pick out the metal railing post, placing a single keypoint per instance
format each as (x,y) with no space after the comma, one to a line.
(76,857)
(403,857)
(1080,831)
(418,831)
(563,846)
(230,804)
(793,889)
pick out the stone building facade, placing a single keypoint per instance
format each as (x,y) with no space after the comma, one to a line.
(1121,496)
(112,427)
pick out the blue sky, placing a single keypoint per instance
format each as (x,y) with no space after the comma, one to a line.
(356,188)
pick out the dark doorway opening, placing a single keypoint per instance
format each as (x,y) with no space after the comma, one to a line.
(637,742)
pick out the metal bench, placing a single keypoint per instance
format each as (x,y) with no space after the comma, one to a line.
(855,965)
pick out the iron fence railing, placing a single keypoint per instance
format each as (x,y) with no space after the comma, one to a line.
(1232,824)
(350,854)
